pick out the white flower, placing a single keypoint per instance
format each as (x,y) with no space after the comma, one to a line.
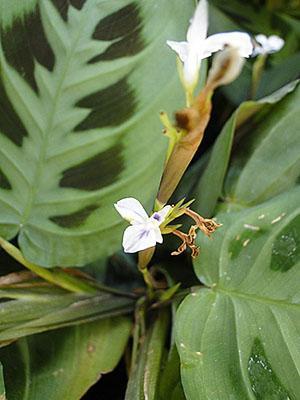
(198,46)
(268,45)
(192,51)
(144,231)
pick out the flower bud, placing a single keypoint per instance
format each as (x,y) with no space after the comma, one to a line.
(226,67)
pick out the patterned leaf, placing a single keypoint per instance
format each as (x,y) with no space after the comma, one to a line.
(239,338)
(81,84)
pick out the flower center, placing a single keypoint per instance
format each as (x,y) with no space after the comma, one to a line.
(157,217)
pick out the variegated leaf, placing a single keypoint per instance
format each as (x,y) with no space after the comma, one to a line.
(81,85)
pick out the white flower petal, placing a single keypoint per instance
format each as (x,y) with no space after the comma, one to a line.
(261,39)
(239,40)
(198,28)
(159,216)
(269,44)
(181,48)
(191,68)
(158,235)
(276,43)
(131,210)
(138,237)
(191,52)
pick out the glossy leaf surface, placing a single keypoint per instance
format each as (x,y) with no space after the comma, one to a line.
(210,185)
(41,311)
(267,162)
(239,339)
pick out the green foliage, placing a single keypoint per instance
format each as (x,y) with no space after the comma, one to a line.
(273,151)
(243,330)
(143,382)
(239,338)
(282,67)
(36,311)
(65,363)
(206,194)
(81,86)
(77,107)
(170,380)
(2,386)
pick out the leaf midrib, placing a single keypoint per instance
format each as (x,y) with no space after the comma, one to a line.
(255,298)
(34,187)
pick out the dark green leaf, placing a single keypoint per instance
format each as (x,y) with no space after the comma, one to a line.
(279,75)
(2,385)
(145,374)
(210,185)
(267,162)
(46,312)
(63,364)
(170,381)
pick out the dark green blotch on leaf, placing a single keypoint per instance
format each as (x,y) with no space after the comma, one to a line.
(286,247)
(25,42)
(109,107)
(10,124)
(125,25)
(75,219)
(265,384)
(95,173)
(4,182)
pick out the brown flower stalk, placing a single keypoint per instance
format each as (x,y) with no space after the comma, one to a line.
(206,225)
(188,240)
(194,121)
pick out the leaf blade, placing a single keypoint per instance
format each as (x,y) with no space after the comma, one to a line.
(82,108)
(64,363)
(248,322)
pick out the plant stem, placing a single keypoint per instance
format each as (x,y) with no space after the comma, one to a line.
(111,290)
(139,329)
(145,257)
(195,120)
(56,276)
(188,98)
(257,71)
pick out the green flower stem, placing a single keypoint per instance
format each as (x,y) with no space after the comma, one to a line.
(257,71)
(56,276)
(139,329)
(148,280)
(145,257)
